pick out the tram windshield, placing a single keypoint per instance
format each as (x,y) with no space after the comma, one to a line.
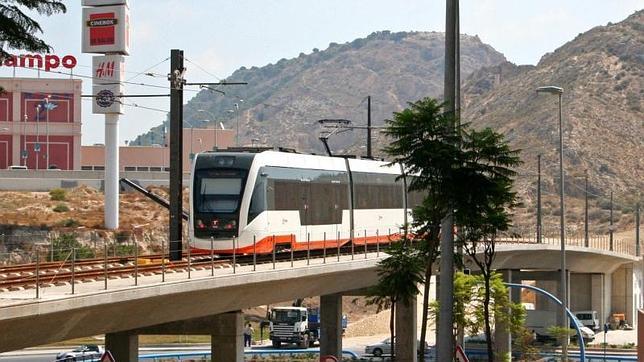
(219,195)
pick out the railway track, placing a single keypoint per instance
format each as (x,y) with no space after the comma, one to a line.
(26,276)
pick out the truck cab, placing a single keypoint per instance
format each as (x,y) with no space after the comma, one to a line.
(291,325)
(588,318)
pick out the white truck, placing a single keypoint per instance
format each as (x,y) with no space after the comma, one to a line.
(540,321)
(588,318)
(294,325)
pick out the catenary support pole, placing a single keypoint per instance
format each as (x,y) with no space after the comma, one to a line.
(637,230)
(176,150)
(539,222)
(111,171)
(445,341)
(586,236)
(610,227)
(369,154)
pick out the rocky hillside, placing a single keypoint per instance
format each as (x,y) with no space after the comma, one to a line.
(283,101)
(602,73)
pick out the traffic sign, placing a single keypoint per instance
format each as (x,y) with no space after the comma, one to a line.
(460,354)
(107,357)
(37,147)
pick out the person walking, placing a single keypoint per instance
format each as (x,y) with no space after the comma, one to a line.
(248,335)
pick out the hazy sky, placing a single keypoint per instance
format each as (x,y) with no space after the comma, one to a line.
(223,35)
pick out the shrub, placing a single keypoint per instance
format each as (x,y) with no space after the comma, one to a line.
(57,194)
(63,245)
(69,223)
(60,208)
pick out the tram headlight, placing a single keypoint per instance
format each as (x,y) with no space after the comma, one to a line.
(200,224)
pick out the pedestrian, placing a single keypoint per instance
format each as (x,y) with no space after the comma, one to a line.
(248,335)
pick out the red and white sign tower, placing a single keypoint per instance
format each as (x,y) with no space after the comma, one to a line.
(106,30)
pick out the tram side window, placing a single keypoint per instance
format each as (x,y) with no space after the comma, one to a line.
(318,195)
(377,191)
(414,198)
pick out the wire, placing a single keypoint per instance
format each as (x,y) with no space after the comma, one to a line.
(147,69)
(202,68)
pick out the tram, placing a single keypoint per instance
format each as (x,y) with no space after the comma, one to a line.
(257,202)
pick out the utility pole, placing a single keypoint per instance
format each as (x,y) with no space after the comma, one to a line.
(637,229)
(586,237)
(539,222)
(445,341)
(176,150)
(610,227)
(369,155)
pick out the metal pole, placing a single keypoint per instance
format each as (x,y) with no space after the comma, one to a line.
(337,241)
(254,252)
(73,269)
(562,234)
(377,243)
(308,248)
(47,131)
(136,264)
(539,222)
(365,244)
(190,260)
(105,262)
(610,226)
(586,236)
(212,256)
(324,249)
(273,251)
(37,273)
(292,247)
(162,260)
(234,256)
(369,155)
(176,150)
(37,147)
(637,229)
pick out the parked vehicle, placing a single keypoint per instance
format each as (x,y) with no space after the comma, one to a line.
(384,348)
(588,318)
(540,321)
(17,167)
(86,352)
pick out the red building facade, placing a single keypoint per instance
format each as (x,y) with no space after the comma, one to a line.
(40,123)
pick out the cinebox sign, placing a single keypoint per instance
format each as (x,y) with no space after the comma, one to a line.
(106,29)
(107,70)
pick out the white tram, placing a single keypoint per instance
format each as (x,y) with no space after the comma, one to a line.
(257,202)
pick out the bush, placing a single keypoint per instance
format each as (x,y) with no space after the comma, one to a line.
(63,246)
(57,194)
(60,208)
(69,223)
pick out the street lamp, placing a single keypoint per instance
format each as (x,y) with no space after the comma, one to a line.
(37,145)
(214,127)
(562,223)
(47,107)
(24,153)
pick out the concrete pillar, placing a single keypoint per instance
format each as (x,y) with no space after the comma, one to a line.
(502,337)
(640,335)
(124,346)
(622,288)
(227,339)
(597,297)
(331,325)
(608,297)
(580,291)
(406,326)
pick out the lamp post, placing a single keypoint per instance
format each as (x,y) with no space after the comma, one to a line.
(47,106)
(37,144)
(24,153)
(214,126)
(562,223)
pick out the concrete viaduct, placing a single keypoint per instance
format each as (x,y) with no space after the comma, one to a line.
(605,281)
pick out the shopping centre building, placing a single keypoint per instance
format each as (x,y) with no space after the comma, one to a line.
(40,128)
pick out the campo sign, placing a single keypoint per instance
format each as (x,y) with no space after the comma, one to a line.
(46,62)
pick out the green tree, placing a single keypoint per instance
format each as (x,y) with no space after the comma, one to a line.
(399,275)
(425,139)
(484,210)
(18,31)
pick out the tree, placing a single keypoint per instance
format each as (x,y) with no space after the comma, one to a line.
(425,140)
(17,30)
(484,210)
(399,275)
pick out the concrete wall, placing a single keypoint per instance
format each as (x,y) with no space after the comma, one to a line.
(20,180)
(580,291)
(622,292)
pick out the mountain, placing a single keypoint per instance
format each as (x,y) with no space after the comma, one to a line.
(602,72)
(283,101)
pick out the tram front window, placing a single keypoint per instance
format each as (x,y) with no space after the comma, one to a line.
(219,195)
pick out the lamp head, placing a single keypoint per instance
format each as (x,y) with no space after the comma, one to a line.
(550,89)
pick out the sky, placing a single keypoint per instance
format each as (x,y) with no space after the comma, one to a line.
(220,36)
